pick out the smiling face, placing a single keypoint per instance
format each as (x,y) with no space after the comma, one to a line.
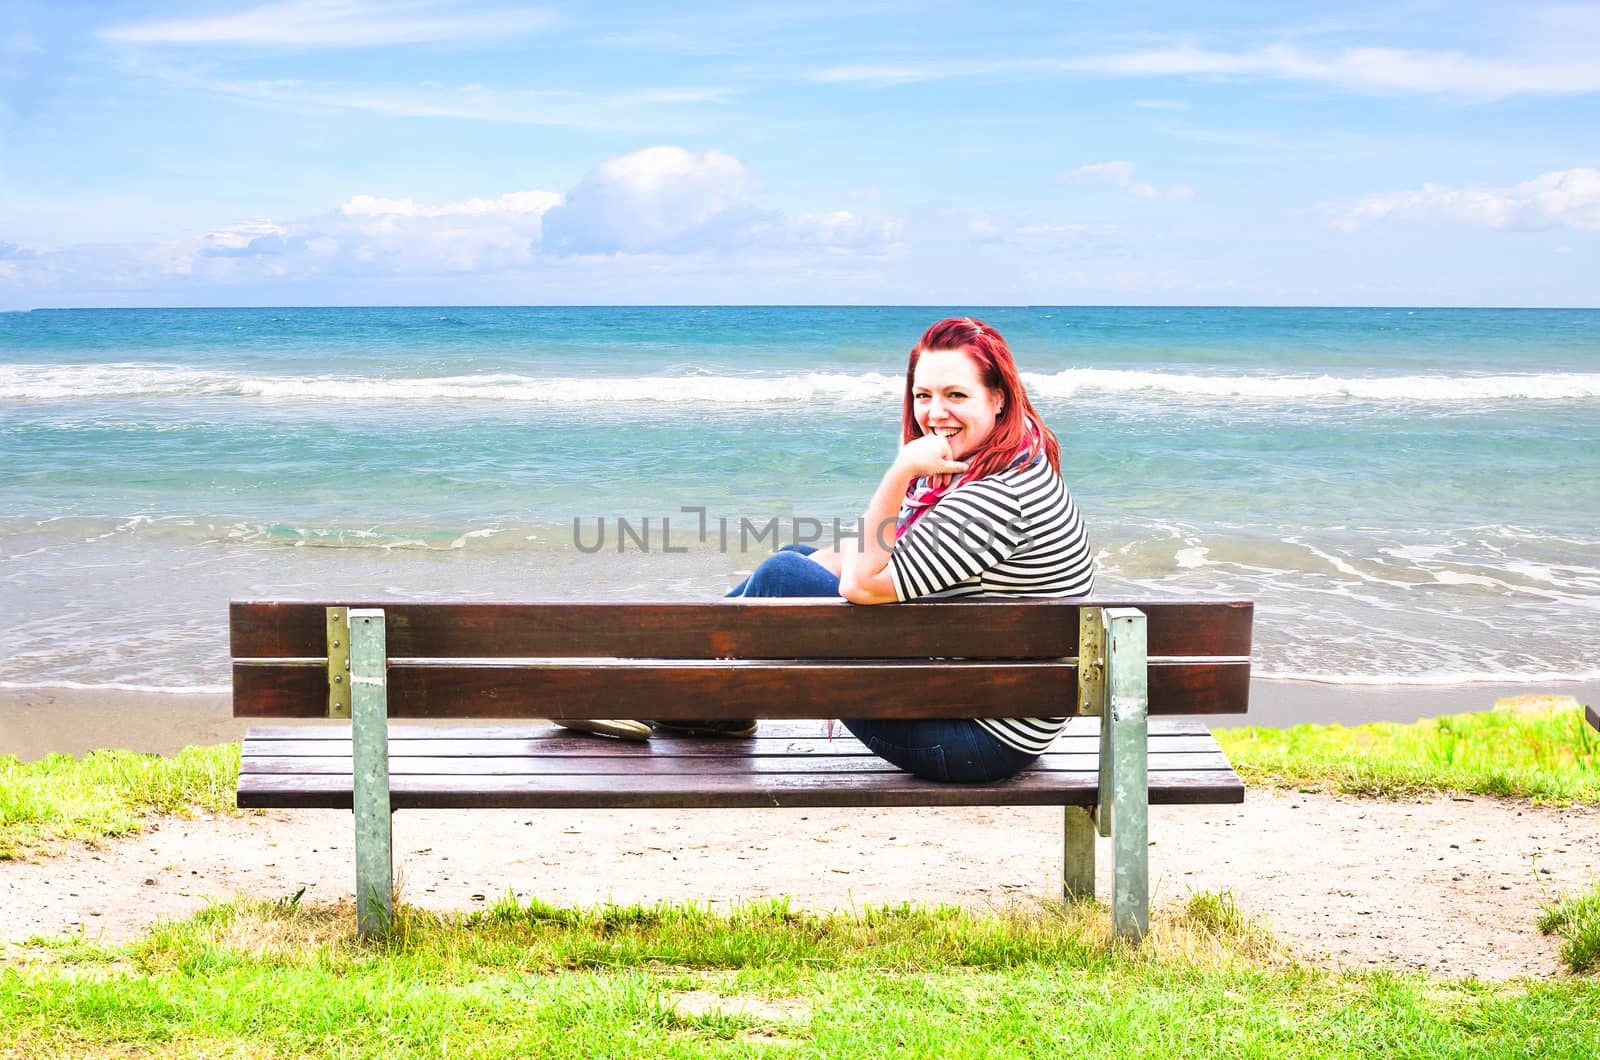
(950,400)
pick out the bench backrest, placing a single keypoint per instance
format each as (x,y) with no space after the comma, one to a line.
(735,658)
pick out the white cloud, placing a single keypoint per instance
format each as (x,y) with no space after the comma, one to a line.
(311,24)
(653,198)
(885,76)
(1369,70)
(388,236)
(10,254)
(240,236)
(535,202)
(365,236)
(639,109)
(1150,191)
(1378,70)
(1032,236)
(1569,197)
(664,206)
(1105,174)
(1120,175)
(669,200)
(842,231)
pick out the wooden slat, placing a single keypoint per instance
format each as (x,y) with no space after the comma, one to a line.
(739,629)
(258,790)
(537,730)
(770,730)
(560,743)
(686,768)
(933,689)
(592,747)
(1593,715)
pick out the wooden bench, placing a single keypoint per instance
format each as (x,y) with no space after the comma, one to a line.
(1108,662)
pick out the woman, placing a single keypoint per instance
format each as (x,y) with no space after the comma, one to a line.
(978,508)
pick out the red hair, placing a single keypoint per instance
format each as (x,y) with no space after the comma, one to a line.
(998,371)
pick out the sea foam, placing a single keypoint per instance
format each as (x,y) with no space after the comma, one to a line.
(1560,386)
(151,381)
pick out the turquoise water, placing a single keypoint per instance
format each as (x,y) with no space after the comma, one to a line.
(1409,496)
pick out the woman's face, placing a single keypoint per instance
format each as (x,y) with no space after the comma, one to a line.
(951,400)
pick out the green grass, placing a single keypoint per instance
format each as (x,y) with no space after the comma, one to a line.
(1576,919)
(1534,749)
(107,793)
(285,979)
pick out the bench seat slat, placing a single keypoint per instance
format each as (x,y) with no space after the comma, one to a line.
(935,688)
(770,730)
(793,629)
(580,747)
(257,790)
(681,766)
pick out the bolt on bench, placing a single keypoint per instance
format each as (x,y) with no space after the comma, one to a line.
(1109,663)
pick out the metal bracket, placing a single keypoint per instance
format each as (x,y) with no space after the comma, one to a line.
(1091,661)
(1092,702)
(338,662)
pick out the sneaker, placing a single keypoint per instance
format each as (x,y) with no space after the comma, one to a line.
(622,730)
(717,727)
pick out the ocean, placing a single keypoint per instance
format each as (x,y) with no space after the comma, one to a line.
(1411,497)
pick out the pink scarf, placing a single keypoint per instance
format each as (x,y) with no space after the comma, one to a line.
(925,492)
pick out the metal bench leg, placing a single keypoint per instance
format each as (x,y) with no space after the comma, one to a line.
(1077,878)
(369,717)
(1127,681)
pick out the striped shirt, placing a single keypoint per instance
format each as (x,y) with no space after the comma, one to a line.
(1012,534)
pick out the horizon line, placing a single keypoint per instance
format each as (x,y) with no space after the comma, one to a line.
(796,305)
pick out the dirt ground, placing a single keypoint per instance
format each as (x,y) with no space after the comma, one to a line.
(1449,886)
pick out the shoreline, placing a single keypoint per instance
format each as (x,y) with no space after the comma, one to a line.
(35,722)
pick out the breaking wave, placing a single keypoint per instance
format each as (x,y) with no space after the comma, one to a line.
(150,381)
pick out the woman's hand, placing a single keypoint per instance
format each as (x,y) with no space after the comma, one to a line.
(928,455)
(865,577)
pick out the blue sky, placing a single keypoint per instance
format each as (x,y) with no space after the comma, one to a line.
(424,152)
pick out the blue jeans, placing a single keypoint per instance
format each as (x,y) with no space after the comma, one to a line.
(954,750)
(787,572)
